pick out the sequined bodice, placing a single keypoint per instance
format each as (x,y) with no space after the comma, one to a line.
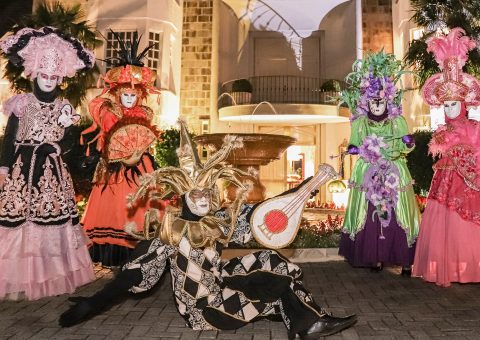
(39,122)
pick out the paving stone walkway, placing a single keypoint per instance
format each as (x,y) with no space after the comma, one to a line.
(388,307)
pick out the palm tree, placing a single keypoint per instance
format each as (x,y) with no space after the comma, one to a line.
(72,21)
(438,14)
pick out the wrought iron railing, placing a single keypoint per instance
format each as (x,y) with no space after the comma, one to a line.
(280,89)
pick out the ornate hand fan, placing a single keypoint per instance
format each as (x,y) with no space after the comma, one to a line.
(127,143)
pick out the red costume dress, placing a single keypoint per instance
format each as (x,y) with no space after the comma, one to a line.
(124,139)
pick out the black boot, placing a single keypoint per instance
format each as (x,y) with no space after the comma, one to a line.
(378,268)
(406,271)
(325,325)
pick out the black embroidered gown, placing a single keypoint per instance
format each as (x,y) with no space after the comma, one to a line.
(43,249)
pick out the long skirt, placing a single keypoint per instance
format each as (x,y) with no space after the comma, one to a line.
(374,244)
(448,248)
(107,214)
(43,249)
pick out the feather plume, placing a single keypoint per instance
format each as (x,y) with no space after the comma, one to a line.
(454,45)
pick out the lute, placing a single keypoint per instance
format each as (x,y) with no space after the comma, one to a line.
(275,221)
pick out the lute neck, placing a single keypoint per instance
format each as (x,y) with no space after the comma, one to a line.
(324,174)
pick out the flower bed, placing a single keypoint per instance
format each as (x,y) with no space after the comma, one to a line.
(312,234)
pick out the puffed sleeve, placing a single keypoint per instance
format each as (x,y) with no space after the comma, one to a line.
(8,147)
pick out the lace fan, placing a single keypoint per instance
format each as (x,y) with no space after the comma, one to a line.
(128,143)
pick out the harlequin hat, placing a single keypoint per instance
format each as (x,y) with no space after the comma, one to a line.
(192,173)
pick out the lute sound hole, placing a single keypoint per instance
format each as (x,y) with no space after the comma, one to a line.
(276,221)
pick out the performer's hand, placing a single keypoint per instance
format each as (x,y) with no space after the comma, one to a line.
(45,149)
(77,313)
(409,140)
(352,149)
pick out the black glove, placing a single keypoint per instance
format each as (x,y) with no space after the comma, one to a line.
(45,149)
(77,313)
(90,161)
(409,141)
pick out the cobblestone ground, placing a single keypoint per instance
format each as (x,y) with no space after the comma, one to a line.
(388,307)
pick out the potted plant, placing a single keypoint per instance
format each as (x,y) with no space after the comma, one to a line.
(331,85)
(242,91)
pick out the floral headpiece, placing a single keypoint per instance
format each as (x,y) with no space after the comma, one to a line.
(374,77)
(451,54)
(46,50)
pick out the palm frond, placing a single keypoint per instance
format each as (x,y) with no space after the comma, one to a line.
(433,14)
(127,53)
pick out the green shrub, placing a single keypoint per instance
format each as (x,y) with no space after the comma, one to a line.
(331,85)
(166,148)
(420,163)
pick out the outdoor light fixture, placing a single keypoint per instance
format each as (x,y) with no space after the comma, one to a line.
(336,186)
(339,191)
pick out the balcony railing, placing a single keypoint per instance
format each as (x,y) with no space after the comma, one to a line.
(280,90)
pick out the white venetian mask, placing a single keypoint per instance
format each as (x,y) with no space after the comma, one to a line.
(128,99)
(377,106)
(47,82)
(452,108)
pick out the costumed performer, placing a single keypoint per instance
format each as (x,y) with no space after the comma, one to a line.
(124,140)
(210,293)
(382,217)
(43,249)
(448,245)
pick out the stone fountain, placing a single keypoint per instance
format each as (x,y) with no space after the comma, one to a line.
(258,149)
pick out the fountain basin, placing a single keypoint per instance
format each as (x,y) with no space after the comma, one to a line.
(258,149)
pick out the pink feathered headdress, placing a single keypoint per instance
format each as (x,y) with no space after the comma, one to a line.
(451,54)
(46,50)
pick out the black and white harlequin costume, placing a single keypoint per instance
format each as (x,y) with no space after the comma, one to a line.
(210,293)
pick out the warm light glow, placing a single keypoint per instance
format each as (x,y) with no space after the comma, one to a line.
(166,110)
(293,153)
(416,33)
(341,198)
(474,113)
(437,117)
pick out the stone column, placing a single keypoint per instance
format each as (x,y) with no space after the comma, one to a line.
(377,25)
(358,29)
(196,79)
